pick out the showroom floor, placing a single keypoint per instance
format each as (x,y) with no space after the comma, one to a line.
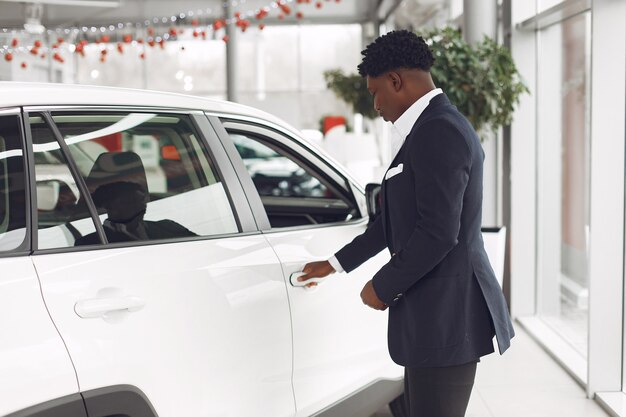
(525,382)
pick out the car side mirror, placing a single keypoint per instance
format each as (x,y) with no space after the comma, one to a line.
(47,195)
(372,195)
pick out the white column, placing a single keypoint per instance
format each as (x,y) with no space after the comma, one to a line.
(480,19)
(524,168)
(231,55)
(607,195)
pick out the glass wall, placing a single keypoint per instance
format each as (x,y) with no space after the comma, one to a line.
(564,179)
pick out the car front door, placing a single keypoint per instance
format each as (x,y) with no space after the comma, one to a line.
(308,211)
(152,267)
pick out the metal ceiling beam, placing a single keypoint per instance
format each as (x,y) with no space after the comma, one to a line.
(76,3)
(386,8)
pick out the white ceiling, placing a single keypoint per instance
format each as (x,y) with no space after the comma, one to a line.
(73,13)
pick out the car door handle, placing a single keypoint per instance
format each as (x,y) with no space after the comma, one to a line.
(293,280)
(98,307)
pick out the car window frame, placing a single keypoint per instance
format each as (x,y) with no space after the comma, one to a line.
(207,138)
(297,146)
(24,249)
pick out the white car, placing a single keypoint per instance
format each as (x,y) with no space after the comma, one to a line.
(151,275)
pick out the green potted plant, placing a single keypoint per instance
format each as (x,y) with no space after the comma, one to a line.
(480,79)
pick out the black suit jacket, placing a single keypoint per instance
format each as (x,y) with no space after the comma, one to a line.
(445,304)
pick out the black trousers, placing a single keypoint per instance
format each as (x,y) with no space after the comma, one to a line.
(438,392)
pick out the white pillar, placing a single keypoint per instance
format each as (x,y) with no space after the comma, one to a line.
(480,18)
(231,55)
(607,196)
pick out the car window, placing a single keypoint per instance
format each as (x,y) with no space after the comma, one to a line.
(147,174)
(275,174)
(293,190)
(62,213)
(12,185)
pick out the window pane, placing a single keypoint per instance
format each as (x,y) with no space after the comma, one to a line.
(148,174)
(63,216)
(12,185)
(293,193)
(276,175)
(564,155)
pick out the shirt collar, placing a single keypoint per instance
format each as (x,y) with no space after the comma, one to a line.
(405,122)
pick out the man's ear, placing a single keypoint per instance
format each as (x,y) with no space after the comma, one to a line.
(395,79)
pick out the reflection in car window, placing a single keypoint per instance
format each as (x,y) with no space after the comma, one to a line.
(293,192)
(149,176)
(276,175)
(12,185)
(62,213)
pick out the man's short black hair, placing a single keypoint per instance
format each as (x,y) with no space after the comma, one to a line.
(395,50)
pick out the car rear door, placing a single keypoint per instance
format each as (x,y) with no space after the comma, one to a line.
(308,210)
(36,369)
(184,301)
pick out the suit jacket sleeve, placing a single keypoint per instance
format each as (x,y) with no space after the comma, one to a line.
(440,160)
(363,247)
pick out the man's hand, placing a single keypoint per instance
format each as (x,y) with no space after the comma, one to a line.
(369,297)
(317,269)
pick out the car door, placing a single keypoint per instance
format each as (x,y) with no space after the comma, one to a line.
(152,267)
(308,210)
(36,369)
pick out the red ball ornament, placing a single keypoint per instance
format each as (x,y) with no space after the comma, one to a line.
(120,48)
(203,35)
(24,65)
(14,42)
(151,42)
(261,26)
(103,59)
(238,15)
(285,8)
(319,4)
(151,31)
(128,38)
(8,57)
(195,34)
(34,51)
(59,58)
(42,56)
(226,38)
(162,43)
(140,41)
(262,14)
(218,24)
(104,52)
(195,22)
(60,40)
(55,46)
(142,55)
(105,39)
(299,15)
(37,44)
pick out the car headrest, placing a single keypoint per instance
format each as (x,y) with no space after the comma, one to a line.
(113,167)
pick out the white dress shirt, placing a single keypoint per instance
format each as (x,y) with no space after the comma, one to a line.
(400,130)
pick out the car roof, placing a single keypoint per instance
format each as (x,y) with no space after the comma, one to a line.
(14,94)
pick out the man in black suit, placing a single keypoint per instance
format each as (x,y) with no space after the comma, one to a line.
(445,304)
